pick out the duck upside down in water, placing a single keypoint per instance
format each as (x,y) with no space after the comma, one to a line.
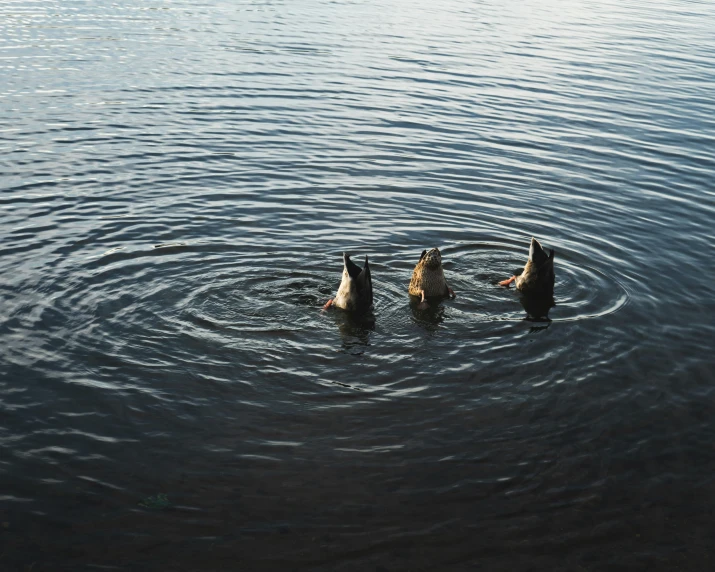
(428,278)
(355,291)
(538,274)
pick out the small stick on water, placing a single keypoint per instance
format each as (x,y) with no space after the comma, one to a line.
(507,282)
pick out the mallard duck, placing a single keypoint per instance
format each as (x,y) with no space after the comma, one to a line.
(428,278)
(538,274)
(355,291)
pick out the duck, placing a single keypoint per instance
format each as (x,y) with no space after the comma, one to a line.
(428,279)
(538,274)
(355,291)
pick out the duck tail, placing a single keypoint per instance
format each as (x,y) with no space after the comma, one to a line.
(364,281)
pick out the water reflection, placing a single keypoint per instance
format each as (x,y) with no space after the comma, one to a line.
(355,329)
(430,317)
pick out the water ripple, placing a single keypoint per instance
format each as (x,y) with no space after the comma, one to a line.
(179,183)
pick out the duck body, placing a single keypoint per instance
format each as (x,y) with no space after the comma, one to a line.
(428,279)
(538,275)
(355,291)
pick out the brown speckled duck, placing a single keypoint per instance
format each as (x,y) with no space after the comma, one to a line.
(538,274)
(428,279)
(355,291)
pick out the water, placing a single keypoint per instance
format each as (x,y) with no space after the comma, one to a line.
(179,181)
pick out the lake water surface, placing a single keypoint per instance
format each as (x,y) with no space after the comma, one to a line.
(178,181)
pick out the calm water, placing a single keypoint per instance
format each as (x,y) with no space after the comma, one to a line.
(178,182)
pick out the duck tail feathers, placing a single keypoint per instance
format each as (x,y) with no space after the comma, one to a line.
(364,281)
(536,252)
(353,269)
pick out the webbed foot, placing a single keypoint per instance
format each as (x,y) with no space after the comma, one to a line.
(423,303)
(328,304)
(507,282)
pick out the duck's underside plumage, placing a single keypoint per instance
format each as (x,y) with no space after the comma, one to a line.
(428,276)
(355,291)
(428,279)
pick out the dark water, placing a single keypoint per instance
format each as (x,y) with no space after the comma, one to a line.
(179,180)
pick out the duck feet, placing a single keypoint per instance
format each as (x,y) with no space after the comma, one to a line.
(423,304)
(507,282)
(451,292)
(328,304)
